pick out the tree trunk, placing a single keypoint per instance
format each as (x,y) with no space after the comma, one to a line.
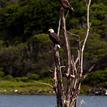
(67,92)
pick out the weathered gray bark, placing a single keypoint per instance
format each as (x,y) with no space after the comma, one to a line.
(58,79)
(67,92)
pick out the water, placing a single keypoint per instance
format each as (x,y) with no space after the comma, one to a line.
(92,101)
(48,101)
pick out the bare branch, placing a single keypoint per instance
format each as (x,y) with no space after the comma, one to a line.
(67,45)
(68,90)
(44,83)
(59,26)
(73,34)
(87,34)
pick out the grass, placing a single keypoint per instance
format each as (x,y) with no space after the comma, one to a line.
(31,87)
(85,89)
(34,87)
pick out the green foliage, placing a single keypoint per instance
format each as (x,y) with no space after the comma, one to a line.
(1,73)
(29,59)
(34,77)
(19,21)
(97,78)
(23,79)
(25,49)
(96,49)
(8,77)
(98,17)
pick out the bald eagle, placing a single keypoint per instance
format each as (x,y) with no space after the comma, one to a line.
(66,5)
(54,38)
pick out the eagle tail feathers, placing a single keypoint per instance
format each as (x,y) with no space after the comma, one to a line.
(57,46)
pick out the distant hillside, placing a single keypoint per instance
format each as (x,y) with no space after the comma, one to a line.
(25,48)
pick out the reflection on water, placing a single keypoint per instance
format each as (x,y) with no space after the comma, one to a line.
(48,101)
(92,101)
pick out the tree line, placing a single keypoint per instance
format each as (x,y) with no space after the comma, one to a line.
(25,49)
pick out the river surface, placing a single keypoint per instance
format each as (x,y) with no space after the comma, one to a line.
(48,101)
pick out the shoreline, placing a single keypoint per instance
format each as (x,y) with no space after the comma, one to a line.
(40,88)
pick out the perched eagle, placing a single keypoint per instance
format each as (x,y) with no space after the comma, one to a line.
(66,5)
(54,38)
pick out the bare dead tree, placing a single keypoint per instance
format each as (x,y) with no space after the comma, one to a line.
(67,92)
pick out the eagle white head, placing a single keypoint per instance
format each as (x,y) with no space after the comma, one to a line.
(51,30)
(54,38)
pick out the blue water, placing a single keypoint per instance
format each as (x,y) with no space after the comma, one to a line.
(48,101)
(26,101)
(92,101)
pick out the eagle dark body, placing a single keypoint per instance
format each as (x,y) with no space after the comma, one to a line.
(66,5)
(55,39)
